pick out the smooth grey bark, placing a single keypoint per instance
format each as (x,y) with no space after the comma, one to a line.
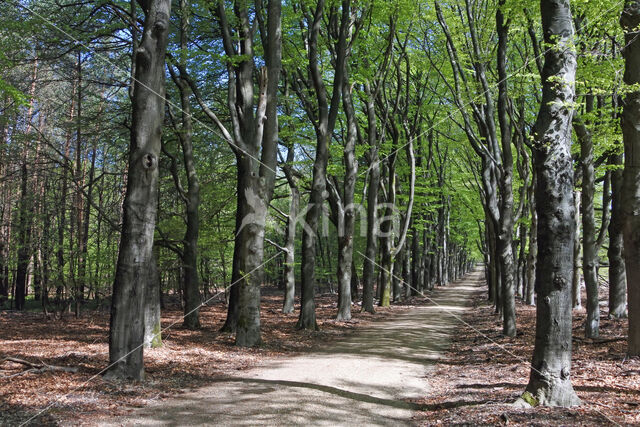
(126,328)
(346,207)
(290,236)
(254,142)
(191,195)
(192,298)
(152,325)
(550,378)
(406,273)
(532,256)
(396,280)
(374,136)
(630,20)
(617,275)
(521,284)
(442,233)
(505,238)
(400,114)
(368,269)
(576,276)
(589,243)
(324,123)
(390,251)
(483,141)
(386,227)
(417,270)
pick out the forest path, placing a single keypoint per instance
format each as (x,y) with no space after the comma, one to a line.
(361,379)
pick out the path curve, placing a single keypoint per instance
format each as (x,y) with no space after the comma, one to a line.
(361,379)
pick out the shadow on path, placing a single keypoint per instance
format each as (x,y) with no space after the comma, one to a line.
(364,378)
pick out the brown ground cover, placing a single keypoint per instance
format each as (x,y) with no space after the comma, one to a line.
(473,384)
(187,360)
(484,372)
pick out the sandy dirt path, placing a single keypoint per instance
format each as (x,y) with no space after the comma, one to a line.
(361,379)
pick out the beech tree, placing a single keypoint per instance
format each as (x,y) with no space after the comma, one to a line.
(126,328)
(630,20)
(191,195)
(550,377)
(323,113)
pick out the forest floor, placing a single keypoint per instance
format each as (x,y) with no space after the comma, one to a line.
(388,369)
(483,372)
(187,361)
(366,378)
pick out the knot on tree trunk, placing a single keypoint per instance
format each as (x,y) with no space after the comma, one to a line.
(149,161)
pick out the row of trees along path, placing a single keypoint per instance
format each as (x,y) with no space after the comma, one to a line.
(129,128)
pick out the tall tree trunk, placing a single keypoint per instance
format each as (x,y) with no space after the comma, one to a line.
(75,258)
(290,231)
(191,197)
(84,243)
(126,328)
(368,269)
(386,230)
(25,215)
(589,231)
(630,20)
(4,211)
(24,239)
(62,214)
(290,246)
(576,276)
(254,143)
(327,115)
(346,224)
(505,237)
(532,257)
(550,379)
(617,278)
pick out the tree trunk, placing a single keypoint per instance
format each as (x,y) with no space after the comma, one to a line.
(25,215)
(191,295)
(630,20)
(247,273)
(417,268)
(617,278)
(255,134)
(589,231)
(126,332)
(576,277)
(76,257)
(354,281)
(549,382)
(505,236)
(346,224)
(84,242)
(532,256)
(152,325)
(406,273)
(386,231)
(327,115)
(24,239)
(290,239)
(368,269)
